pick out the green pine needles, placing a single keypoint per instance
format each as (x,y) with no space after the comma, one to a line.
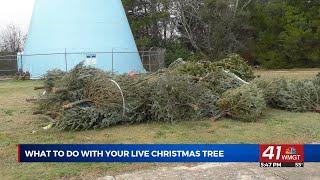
(87,98)
(294,95)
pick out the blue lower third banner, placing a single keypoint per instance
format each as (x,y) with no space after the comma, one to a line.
(149,153)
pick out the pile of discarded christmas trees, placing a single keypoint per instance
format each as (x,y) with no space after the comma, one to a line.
(88,98)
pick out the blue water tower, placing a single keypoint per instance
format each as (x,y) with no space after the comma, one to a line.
(64,33)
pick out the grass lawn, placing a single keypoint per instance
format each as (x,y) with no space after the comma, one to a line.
(288,74)
(18,126)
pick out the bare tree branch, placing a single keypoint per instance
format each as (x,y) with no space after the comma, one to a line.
(12,39)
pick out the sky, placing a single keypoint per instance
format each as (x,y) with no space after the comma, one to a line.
(16,12)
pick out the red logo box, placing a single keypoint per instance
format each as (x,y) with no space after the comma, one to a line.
(285,153)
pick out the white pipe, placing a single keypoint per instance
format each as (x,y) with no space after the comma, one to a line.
(123,100)
(237,77)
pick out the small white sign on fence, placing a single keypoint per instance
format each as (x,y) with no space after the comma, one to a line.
(91,60)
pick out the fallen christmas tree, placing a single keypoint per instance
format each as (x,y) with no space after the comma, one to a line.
(245,103)
(88,98)
(291,95)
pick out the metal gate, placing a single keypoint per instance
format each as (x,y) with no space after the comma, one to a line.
(8,64)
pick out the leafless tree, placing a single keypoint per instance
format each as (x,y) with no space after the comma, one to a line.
(212,27)
(12,39)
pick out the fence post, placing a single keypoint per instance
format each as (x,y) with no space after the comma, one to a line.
(21,64)
(142,59)
(65,59)
(150,67)
(112,61)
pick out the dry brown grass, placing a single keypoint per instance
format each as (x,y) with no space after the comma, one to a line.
(288,74)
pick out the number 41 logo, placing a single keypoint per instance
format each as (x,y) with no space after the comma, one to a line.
(269,153)
(281,153)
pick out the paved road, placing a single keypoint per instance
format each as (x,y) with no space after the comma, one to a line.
(243,171)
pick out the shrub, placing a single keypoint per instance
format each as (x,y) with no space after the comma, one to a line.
(245,103)
(175,51)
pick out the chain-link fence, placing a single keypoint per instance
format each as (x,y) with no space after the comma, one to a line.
(8,64)
(152,60)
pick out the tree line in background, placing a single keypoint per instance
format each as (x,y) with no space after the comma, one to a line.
(271,33)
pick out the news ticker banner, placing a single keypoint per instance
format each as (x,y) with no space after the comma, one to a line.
(268,155)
